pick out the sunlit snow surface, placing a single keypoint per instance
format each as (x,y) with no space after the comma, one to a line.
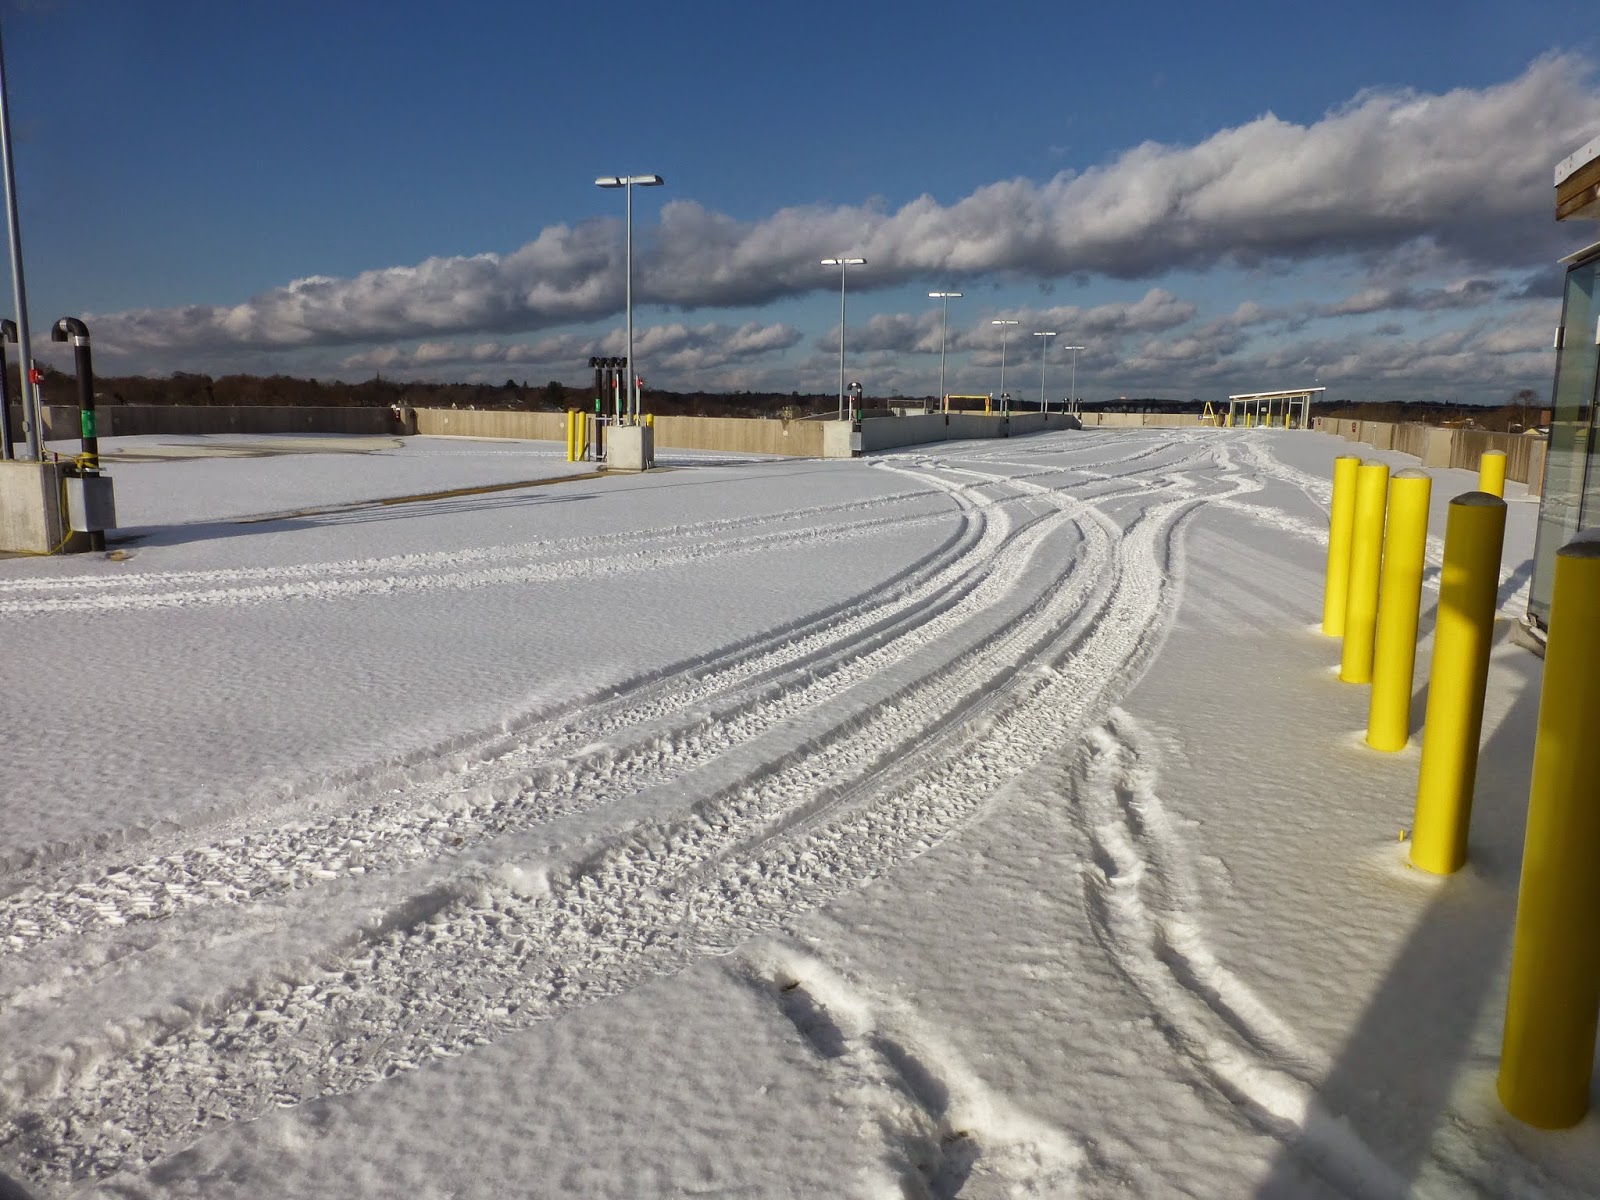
(982,820)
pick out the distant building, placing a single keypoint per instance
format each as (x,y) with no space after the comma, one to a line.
(1571,492)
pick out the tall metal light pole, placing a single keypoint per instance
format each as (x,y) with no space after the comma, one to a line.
(1043,347)
(944,324)
(629,182)
(1003,331)
(844,265)
(31,416)
(1074,394)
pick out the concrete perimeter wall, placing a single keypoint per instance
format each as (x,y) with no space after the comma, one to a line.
(887,433)
(1438,447)
(1099,420)
(741,435)
(33,508)
(475,422)
(736,435)
(129,420)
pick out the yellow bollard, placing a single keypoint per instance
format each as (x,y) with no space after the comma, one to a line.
(1340,522)
(650,420)
(1454,722)
(1394,659)
(1492,472)
(1548,1050)
(571,439)
(1366,558)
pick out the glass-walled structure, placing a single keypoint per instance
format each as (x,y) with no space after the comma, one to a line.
(1571,492)
(1571,498)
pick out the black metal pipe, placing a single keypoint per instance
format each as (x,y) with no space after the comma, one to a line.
(70,328)
(73,330)
(8,333)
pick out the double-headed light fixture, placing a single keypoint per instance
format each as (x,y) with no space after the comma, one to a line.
(629,182)
(844,265)
(1004,329)
(1073,395)
(944,324)
(1044,347)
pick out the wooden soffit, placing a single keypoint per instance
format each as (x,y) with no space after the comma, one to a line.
(1578,184)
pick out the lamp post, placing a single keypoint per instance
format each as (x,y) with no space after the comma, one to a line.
(1002,325)
(628,182)
(944,324)
(1043,347)
(844,265)
(1074,394)
(32,417)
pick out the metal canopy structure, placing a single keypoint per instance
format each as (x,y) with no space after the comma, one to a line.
(1264,408)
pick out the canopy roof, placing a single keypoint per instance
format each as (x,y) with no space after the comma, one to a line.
(1294,393)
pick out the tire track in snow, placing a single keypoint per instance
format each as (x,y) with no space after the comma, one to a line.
(538,780)
(1139,894)
(664,689)
(487,959)
(337,585)
(492,954)
(1320,492)
(879,1054)
(448,559)
(535,781)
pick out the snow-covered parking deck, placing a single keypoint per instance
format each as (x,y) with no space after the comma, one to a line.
(980,822)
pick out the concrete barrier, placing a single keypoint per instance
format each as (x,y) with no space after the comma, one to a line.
(1378,434)
(492,423)
(33,509)
(1411,439)
(735,435)
(130,420)
(1112,420)
(1436,450)
(1440,447)
(890,433)
(742,435)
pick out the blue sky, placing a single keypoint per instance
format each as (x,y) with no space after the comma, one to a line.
(1209,198)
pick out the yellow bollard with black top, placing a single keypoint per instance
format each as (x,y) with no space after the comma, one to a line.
(1468,585)
(1341,520)
(1492,472)
(1394,658)
(1366,560)
(1553,1005)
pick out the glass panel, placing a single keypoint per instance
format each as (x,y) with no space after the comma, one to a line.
(1572,440)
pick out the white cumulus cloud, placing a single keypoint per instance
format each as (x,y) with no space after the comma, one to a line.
(1463,176)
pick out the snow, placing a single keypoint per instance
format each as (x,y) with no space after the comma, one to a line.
(985,821)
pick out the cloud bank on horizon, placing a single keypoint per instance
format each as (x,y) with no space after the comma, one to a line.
(1457,183)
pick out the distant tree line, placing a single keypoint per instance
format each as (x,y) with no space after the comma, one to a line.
(186,388)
